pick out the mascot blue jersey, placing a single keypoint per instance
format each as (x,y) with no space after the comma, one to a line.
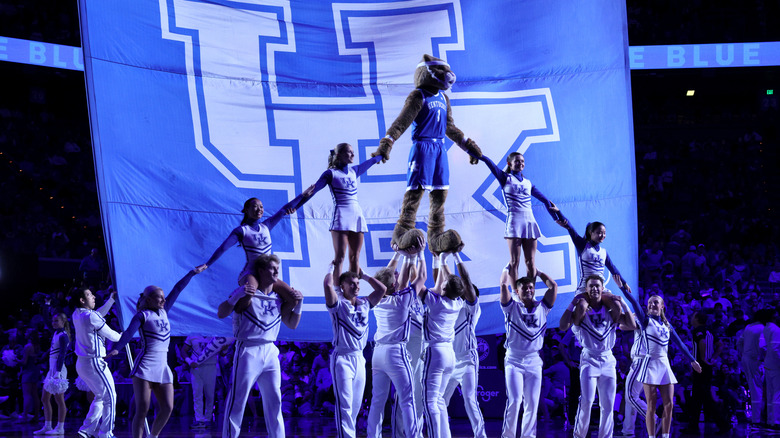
(431,121)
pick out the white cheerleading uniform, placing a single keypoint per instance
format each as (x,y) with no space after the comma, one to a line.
(255,239)
(347,214)
(390,363)
(522,364)
(56,381)
(520,221)
(439,332)
(655,369)
(347,364)
(466,371)
(414,350)
(256,360)
(204,378)
(596,333)
(633,387)
(91,332)
(151,364)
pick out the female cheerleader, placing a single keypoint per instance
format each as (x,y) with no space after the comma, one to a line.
(254,236)
(521,229)
(655,371)
(151,372)
(593,257)
(56,381)
(348,224)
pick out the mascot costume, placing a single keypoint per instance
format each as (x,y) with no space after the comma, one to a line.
(428,110)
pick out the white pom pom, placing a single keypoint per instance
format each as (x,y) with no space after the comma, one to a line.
(9,358)
(53,385)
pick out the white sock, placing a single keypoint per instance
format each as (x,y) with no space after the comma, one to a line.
(664,435)
(60,425)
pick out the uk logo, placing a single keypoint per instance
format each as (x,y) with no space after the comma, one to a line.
(289,89)
(269,307)
(530,320)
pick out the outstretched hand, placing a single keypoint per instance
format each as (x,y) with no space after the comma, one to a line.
(696,367)
(201,268)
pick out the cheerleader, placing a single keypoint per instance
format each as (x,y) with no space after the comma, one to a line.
(655,371)
(521,229)
(56,381)
(593,257)
(348,224)
(151,372)
(254,236)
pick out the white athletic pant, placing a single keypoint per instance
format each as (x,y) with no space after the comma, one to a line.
(466,375)
(254,363)
(597,372)
(204,379)
(772,395)
(100,417)
(414,350)
(523,376)
(349,381)
(390,363)
(437,367)
(634,404)
(755,379)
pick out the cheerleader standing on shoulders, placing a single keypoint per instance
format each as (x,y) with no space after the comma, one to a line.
(521,229)
(655,371)
(56,381)
(151,372)
(348,224)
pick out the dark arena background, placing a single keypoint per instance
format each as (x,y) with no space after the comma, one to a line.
(704,85)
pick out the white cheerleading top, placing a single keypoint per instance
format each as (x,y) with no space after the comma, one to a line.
(465,326)
(593,260)
(524,329)
(91,332)
(255,242)
(56,349)
(657,337)
(393,317)
(350,325)
(517,194)
(596,332)
(439,320)
(155,330)
(259,323)
(343,187)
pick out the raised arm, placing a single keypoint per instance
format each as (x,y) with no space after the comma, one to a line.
(288,208)
(307,194)
(364,166)
(616,274)
(180,285)
(379,289)
(551,208)
(579,241)
(226,307)
(626,317)
(422,275)
(506,295)
(132,329)
(638,309)
(469,294)
(106,307)
(498,173)
(681,345)
(331,297)
(291,311)
(552,289)
(231,240)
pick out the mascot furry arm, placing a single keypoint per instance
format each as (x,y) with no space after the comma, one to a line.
(412,106)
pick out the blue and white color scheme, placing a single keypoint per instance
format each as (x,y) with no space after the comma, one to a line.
(198,105)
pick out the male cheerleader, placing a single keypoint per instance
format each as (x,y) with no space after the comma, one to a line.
(91,334)
(257,358)
(526,321)
(443,303)
(466,370)
(349,316)
(390,361)
(596,316)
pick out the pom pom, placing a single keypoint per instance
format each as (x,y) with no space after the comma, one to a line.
(54,385)
(9,358)
(82,385)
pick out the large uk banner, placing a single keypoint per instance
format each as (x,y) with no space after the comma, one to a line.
(198,105)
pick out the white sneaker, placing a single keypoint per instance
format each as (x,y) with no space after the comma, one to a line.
(56,431)
(45,429)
